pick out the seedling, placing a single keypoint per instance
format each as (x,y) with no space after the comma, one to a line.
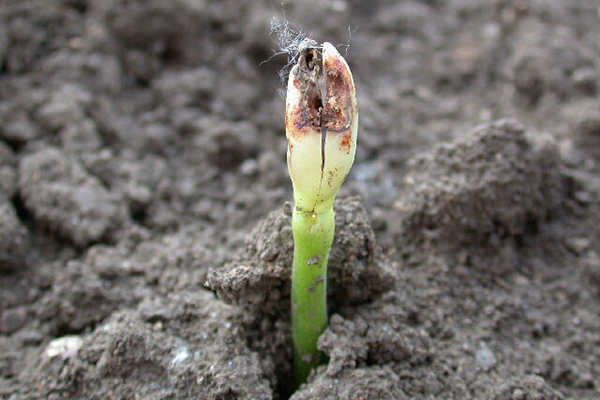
(321,123)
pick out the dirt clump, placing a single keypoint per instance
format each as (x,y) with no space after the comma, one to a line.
(530,387)
(363,340)
(129,352)
(259,279)
(79,300)
(66,199)
(361,383)
(481,192)
(152,34)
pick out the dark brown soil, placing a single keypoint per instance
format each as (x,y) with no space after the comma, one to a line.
(145,238)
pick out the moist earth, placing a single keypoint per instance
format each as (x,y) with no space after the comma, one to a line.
(145,238)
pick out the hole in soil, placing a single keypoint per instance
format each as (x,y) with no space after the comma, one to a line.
(15,145)
(64,330)
(532,226)
(413,318)
(142,82)
(22,212)
(261,337)
(81,6)
(170,51)
(171,55)
(139,213)
(284,388)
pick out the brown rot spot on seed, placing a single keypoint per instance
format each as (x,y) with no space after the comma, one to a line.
(300,119)
(307,115)
(346,144)
(337,114)
(331,174)
(326,95)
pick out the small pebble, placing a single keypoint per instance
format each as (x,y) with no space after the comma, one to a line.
(518,394)
(64,348)
(181,354)
(578,245)
(485,357)
(584,197)
(249,167)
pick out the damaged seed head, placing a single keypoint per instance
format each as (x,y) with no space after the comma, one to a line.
(321,124)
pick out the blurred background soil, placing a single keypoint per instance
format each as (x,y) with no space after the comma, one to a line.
(145,237)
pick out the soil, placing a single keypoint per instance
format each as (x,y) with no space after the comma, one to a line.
(145,238)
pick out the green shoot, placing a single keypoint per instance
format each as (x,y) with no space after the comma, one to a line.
(321,129)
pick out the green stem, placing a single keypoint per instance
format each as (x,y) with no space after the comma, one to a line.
(313,237)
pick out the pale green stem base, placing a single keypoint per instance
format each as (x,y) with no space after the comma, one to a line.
(313,237)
